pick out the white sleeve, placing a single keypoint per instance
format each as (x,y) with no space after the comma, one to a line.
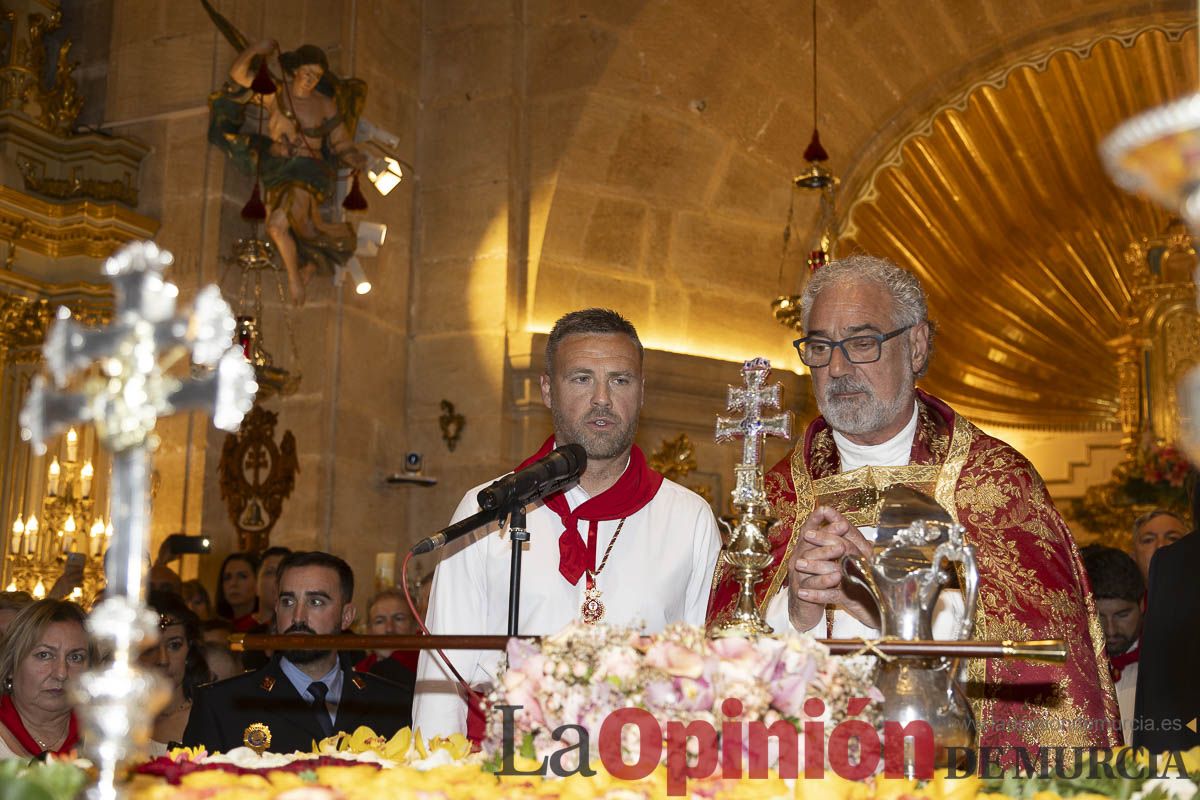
(706,547)
(457,605)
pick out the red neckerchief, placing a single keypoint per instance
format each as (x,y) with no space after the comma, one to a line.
(1118,663)
(245,623)
(11,719)
(406,657)
(634,489)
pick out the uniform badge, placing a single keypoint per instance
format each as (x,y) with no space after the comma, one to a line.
(268,683)
(358,682)
(257,736)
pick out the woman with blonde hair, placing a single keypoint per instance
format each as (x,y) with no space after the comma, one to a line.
(44,649)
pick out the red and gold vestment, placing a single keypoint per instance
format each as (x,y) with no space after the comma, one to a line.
(1032,582)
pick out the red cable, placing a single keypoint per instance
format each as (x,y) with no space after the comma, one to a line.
(474,696)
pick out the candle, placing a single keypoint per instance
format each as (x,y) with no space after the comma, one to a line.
(68,543)
(385,571)
(72,445)
(18,529)
(97,533)
(31,535)
(85,477)
(52,477)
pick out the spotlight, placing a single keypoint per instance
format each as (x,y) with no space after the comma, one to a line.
(385,174)
(370,238)
(361,284)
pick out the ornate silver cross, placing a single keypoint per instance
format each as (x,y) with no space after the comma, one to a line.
(120,379)
(752,427)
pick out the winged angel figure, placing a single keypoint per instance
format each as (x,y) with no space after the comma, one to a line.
(310,123)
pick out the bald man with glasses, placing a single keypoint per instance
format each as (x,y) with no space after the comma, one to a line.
(867,340)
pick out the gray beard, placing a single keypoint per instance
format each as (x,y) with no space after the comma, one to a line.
(859,417)
(565,432)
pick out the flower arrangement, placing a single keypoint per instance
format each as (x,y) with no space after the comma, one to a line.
(1164,463)
(1156,476)
(583,674)
(311,780)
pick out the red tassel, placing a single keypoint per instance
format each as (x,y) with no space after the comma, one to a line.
(254,210)
(814,151)
(262,83)
(355,201)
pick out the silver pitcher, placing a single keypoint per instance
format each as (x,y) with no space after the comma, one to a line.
(915,552)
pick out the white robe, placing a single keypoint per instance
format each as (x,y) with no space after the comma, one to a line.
(895,452)
(1126,694)
(659,572)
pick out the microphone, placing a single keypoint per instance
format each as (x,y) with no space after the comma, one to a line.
(542,477)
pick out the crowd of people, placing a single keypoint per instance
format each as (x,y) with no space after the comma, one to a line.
(623,545)
(1144,606)
(44,646)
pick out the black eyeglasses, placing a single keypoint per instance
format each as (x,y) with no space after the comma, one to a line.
(866,348)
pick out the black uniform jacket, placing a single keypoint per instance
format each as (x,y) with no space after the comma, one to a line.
(1167,703)
(222,711)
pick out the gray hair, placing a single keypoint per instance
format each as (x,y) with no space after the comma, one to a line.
(1149,515)
(908,298)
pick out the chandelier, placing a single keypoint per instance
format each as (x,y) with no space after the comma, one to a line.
(816,177)
(69,529)
(254,258)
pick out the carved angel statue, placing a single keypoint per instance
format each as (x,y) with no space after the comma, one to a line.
(309,134)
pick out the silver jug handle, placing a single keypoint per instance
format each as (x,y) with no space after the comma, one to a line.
(955,550)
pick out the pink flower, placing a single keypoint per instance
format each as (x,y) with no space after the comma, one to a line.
(788,694)
(694,695)
(742,658)
(520,691)
(675,660)
(520,651)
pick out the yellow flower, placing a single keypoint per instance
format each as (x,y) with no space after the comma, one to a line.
(1045,796)
(346,776)
(1191,760)
(282,780)
(458,745)
(893,788)
(831,787)
(398,746)
(943,788)
(220,779)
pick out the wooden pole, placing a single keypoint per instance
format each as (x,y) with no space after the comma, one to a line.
(1050,650)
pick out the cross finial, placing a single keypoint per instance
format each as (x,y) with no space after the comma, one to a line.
(752,427)
(130,386)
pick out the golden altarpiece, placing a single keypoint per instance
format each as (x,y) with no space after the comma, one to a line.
(67,202)
(1160,345)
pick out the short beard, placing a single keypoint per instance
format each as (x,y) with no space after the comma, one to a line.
(596,447)
(859,417)
(1118,647)
(303,656)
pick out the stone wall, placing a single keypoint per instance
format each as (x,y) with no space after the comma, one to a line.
(348,415)
(634,154)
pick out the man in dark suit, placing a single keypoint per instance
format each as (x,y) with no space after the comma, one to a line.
(1168,693)
(302,696)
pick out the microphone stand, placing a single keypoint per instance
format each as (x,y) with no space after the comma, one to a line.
(518,535)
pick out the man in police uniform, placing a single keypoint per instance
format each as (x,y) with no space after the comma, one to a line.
(301,696)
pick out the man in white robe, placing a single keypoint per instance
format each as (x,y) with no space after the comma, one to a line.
(639,548)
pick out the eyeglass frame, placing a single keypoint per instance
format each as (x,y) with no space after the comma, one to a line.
(880,338)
